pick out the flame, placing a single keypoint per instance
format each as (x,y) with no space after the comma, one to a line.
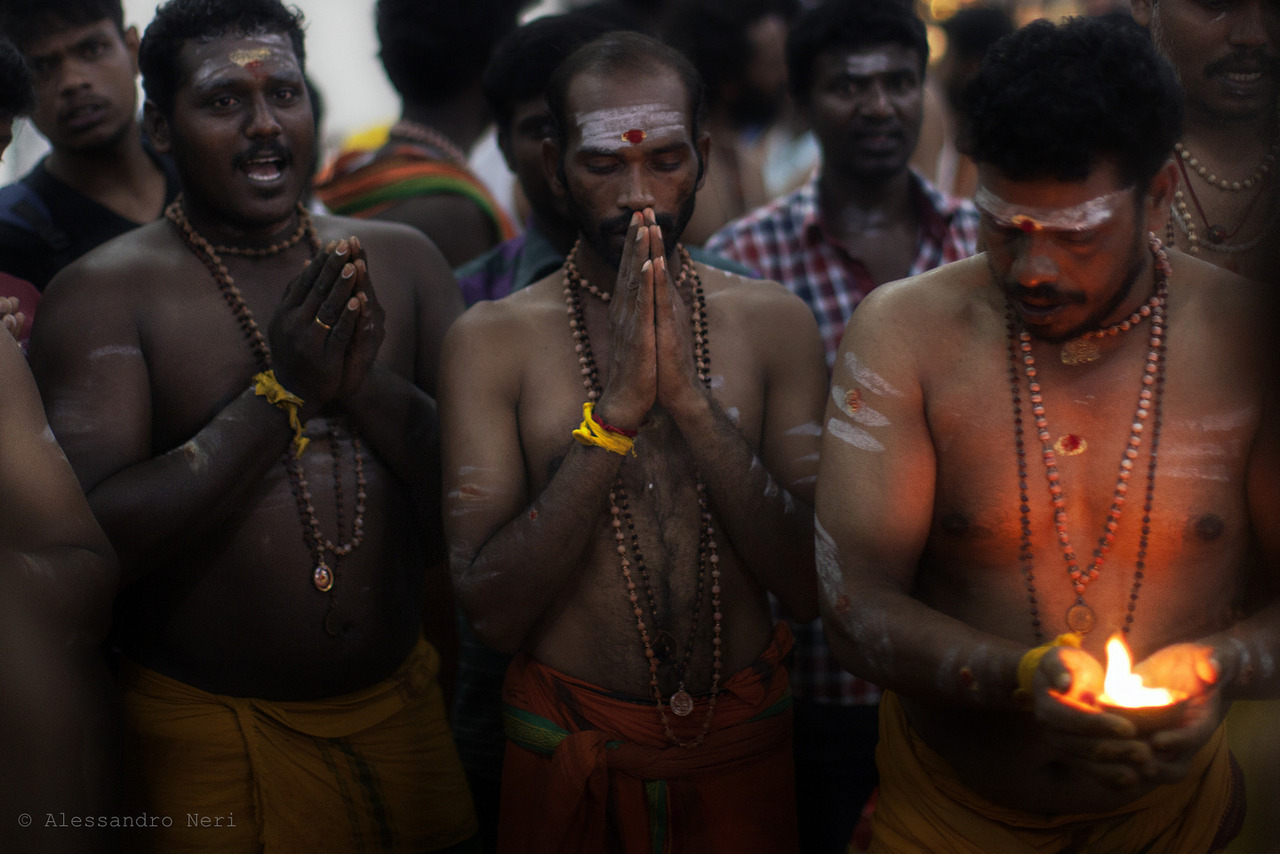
(1124,688)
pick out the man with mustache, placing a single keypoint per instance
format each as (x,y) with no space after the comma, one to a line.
(1225,56)
(245,393)
(102,177)
(1070,437)
(857,71)
(629,451)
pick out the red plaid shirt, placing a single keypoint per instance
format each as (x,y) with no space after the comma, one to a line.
(787,241)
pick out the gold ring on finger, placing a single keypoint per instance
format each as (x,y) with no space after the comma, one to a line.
(324,325)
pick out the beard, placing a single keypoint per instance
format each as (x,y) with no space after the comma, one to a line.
(601,235)
(1097,319)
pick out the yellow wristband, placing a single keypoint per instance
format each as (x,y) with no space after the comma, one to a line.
(590,433)
(1030,662)
(266,385)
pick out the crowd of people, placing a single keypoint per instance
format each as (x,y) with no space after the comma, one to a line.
(776,456)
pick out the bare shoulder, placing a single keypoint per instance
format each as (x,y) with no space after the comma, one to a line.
(930,312)
(1212,294)
(120,275)
(752,300)
(380,237)
(514,324)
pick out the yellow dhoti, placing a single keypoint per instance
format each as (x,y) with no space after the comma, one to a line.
(923,807)
(374,770)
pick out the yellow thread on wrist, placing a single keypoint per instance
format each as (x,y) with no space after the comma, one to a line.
(266,385)
(1030,663)
(591,433)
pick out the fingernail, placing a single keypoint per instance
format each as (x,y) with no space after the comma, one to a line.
(343,247)
(646,265)
(353,304)
(348,271)
(639,235)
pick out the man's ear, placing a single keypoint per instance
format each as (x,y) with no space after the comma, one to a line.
(1142,11)
(157,126)
(1159,196)
(703,143)
(551,168)
(131,44)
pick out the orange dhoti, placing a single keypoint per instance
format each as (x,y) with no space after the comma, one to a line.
(923,807)
(587,771)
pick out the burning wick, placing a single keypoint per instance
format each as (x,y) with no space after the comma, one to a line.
(1122,688)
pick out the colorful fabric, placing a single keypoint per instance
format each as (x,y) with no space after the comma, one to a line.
(923,807)
(364,183)
(789,242)
(374,770)
(589,771)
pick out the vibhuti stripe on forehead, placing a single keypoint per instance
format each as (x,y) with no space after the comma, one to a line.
(615,127)
(250,56)
(1081,217)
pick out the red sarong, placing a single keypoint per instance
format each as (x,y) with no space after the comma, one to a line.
(587,771)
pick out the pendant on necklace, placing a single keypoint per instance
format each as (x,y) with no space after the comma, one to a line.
(322,578)
(1070,445)
(1217,234)
(1080,351)
(1080,618)
(681,703)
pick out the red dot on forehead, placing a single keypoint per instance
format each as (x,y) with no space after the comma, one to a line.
(635,137)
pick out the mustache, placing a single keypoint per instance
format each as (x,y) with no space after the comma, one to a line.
(267,151)
(622,223)
(1043,293)
(1245,61)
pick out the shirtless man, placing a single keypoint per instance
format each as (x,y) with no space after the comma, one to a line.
(940,552)
(688,483)
(1227,58)
(58,724)
(272,588)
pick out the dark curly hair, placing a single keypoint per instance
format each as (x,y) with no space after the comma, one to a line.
(434,49)
(178,21)
(1052,100)
(714,35)
(17,92)
(850,25)
(26,21)
(522,62)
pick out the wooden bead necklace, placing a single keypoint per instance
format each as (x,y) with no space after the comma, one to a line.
(422,135)
(1080,617)
(1084,349)
(323,575)
(681,702)
(1217,234)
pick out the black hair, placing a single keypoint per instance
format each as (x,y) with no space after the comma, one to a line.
(973,29)
(17,85)
(1053,100)
(522,63)
(713,34)
(179,21)
(432,50)
(27,21)
(622,52)
(850,25)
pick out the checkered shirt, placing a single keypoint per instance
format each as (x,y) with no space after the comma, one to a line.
(788,241)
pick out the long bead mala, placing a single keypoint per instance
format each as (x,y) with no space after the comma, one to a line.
(681,702)
(1080,617)
(322,576)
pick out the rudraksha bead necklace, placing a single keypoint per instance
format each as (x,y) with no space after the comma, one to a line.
(681,702)
(1080,616)
(323,575)
(422,135)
